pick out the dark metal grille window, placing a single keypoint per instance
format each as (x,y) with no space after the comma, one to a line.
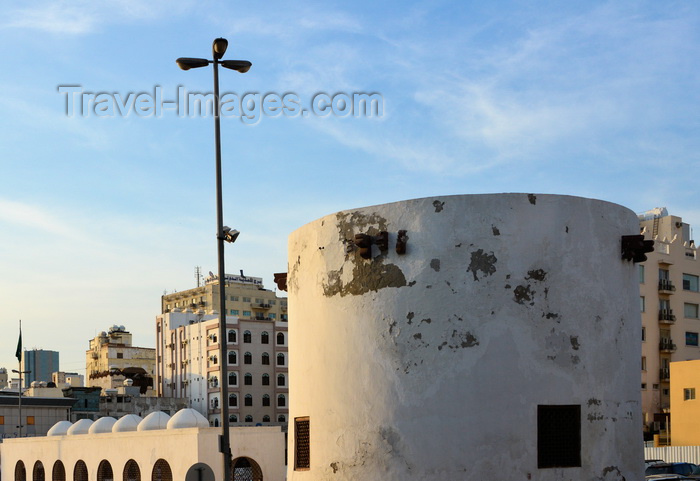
(302,444)
(58,472)
(80,471)
(280,338)
(280,379)
(38,472)
(264,338)
(232,379)
(232,400)
(280,359)
(247,337)
(248,400)
(247,358)
(265,380)
(161,471)
(231,336)
(265,359)
(281,401)
(266,400)
(246,469)
(132,471)
(104,471)
(232,357)
(20,472)
(248,379)
(558,436)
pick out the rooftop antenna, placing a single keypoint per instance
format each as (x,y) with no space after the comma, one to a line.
(198,275)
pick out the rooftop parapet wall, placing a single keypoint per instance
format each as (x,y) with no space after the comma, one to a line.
(432,363)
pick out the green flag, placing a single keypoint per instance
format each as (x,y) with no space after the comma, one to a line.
(18,354)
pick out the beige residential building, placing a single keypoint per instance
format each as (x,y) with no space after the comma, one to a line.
(187,349)
(670,301)
(4,382)
(112,357)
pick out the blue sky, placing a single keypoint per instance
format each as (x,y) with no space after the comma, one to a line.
(99,216)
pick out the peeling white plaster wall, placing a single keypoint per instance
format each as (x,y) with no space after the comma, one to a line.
(430,365)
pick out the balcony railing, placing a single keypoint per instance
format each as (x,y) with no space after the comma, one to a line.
(261,305)
(667,345)
(664,374)
(666,285)
(666,316)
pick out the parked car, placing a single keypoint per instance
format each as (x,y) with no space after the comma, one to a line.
(684,469)
(667,477)
(649,462)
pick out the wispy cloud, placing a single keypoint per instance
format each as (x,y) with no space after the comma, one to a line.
(79,17)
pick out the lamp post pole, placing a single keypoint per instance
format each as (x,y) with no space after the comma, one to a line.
(223,338)
(222,234)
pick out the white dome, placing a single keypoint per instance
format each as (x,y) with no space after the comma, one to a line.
(187,418)
(60,428)
(81,426)
(102,425)
(130,422)
(155,420)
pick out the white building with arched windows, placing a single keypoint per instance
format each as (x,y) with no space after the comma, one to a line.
(156,448)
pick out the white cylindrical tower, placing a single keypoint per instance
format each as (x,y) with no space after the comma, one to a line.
(498,337)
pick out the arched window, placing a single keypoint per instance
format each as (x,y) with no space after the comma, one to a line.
(281,418)
(247,337)
(266,418)
(80,472)
(232,357)
(233,418)
(104,471)
(248,400)
(249,418)
(131,471)
(216,422)
(280,380)
(246,469)
(266,400)
(265,359)
(232,336)
(248,379)
(20,472)
(213,381)
(265,379)
(233,400)
(161,471)
(281,401)
(280,359)
(232,379)
(264,338)
(280,338)
(247,358)
(38,472)
(59,472)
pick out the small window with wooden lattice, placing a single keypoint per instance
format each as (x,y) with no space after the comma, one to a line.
(558,436)
(302,444)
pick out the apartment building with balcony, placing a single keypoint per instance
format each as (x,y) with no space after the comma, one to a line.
(669,301)
(187,352)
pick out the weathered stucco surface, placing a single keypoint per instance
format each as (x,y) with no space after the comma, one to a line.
(431,364)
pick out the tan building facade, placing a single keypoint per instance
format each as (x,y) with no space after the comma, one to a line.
(670,302)
(111,353)
(187,350)
(685,403)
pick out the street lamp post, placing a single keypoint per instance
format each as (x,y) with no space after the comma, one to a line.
(223,233)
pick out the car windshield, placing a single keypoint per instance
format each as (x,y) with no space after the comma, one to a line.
(659,469)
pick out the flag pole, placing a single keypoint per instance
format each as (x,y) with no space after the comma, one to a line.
(19,391)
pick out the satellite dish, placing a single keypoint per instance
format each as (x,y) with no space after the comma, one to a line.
(211,274)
